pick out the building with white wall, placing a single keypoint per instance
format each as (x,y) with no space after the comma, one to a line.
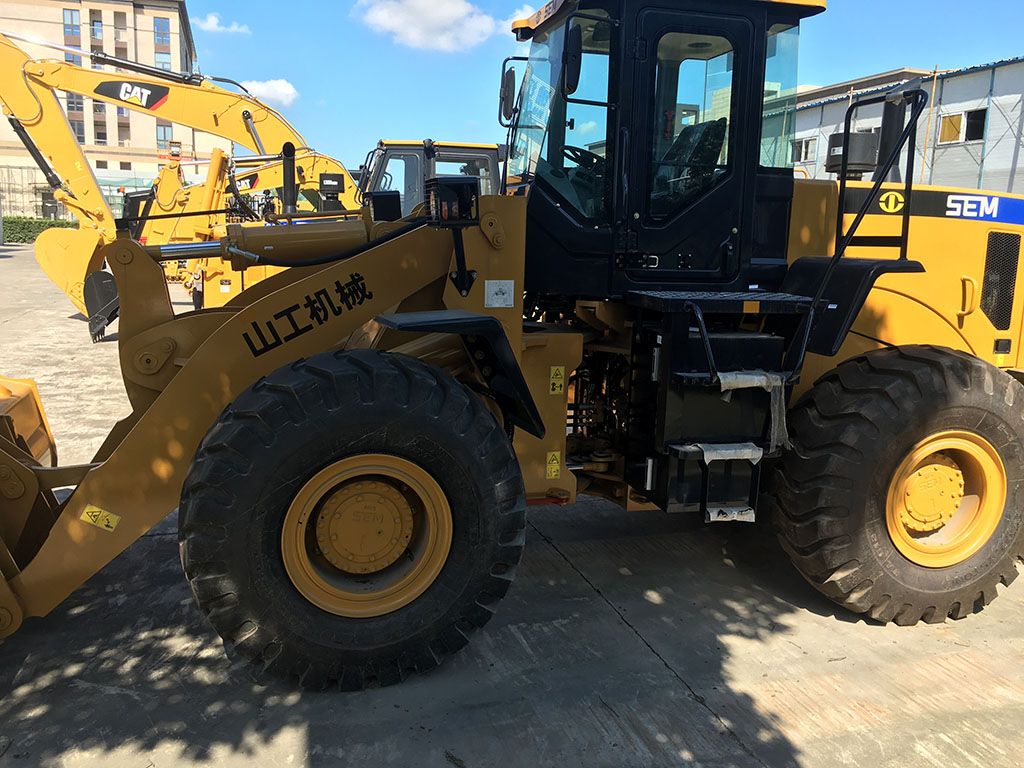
(972,134)
(125,148)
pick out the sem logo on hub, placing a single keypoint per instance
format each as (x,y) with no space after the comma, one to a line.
(972,207)
(145,95)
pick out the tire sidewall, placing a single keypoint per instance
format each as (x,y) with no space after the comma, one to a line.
(971,409)
(385,426)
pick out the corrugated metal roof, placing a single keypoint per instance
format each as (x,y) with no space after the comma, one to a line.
(817,103)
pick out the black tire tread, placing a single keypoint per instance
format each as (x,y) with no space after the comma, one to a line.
(291,395)
(809,513)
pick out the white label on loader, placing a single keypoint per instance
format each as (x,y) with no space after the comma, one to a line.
(499,294)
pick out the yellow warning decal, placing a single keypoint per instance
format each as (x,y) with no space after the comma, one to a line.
(557,380)
(93,515)
(553,470)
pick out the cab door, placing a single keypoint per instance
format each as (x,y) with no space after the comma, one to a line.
(689,201)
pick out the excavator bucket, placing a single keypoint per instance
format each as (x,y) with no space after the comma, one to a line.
(101,303)
(23,420)
(66,256)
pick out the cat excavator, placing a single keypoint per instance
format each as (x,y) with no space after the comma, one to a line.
(171,212)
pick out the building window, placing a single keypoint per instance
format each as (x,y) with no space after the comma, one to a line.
(101,165)
(164,134)
(96,25)
(124,135)
(120,29)
(99,108)
(126,166)
(163,60)
(72,58)
(122,111)
(974,125)
(805,150)
(100,130)
(78,128)
(161,31)
(963,126)
(72,23)
(75,103)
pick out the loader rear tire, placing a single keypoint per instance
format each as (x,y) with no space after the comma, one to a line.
(903,494)
(377,436)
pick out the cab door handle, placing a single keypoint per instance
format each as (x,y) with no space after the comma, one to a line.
(970,295)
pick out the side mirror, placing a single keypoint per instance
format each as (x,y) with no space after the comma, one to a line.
(573,59)
(508,93)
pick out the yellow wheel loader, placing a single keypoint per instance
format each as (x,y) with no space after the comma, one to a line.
(392,184)
(657,313)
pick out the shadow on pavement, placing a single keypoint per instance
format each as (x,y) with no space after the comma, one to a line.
(611,650)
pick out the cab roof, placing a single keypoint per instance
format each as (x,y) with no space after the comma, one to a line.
(524,29)
(446,144)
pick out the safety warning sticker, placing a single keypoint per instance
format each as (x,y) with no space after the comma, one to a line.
(557,380)
(93,515)
(499,294)
(553,470)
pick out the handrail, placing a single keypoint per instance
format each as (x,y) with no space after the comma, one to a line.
(908,139)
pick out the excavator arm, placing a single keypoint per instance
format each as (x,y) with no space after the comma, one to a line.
(188,100)
(39,120)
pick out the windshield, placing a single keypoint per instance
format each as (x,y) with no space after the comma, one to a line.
(539,81)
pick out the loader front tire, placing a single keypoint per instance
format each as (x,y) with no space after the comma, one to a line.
(903,494)
(351,519)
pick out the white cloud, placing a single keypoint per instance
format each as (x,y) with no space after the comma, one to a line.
(587,128)
(435,25)
(211,23)
(279,92)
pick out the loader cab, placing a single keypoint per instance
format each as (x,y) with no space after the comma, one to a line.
(404,166)
(654,141)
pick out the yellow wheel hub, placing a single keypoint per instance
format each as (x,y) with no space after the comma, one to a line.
(364,527)
(933,494)
(946,499)
(366,535)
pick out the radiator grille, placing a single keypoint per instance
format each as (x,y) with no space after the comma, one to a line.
(1000,278)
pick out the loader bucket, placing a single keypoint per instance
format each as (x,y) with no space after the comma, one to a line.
(67,256)
(23,420)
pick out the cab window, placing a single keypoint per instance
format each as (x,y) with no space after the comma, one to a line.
(694,112)
(403,173)
(469,165)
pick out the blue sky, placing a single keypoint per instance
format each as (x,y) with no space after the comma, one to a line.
(362,70)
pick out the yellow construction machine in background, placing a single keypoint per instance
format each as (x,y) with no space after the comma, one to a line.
(175,213)
(392,182)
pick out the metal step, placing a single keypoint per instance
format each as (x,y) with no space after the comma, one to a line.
(721,302)
(731,380)
(709,452)
(730,515)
